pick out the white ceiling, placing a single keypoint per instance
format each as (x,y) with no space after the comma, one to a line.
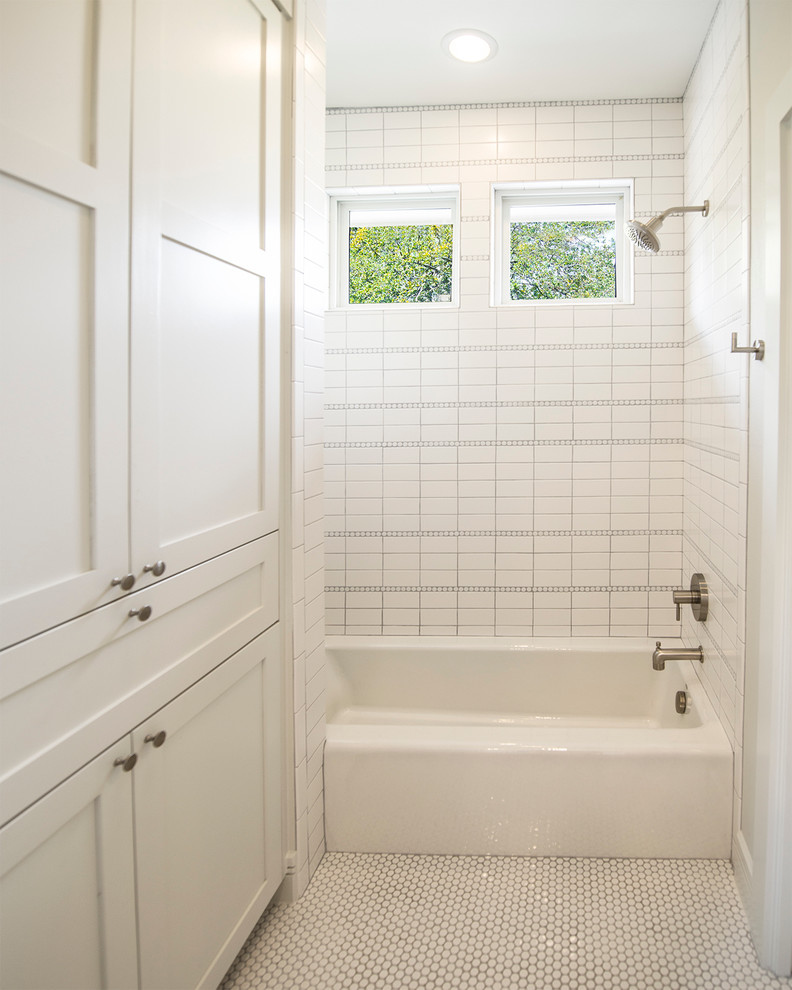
(382,54)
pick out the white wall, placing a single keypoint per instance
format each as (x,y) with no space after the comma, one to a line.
(504,471)
(310,252)
(716,382)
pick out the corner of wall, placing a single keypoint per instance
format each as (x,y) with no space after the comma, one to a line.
(307,484)
(717,263)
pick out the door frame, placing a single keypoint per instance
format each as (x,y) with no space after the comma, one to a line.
(765,870)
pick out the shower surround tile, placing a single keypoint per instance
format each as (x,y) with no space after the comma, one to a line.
(377,922)
(307,333)
(480,422)
(716,383)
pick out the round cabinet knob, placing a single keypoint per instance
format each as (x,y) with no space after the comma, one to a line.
(125,583)
(157,569)
(126,762)
(141,613)
(158,739)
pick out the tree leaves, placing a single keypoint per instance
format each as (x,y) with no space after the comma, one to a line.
(572,259)
(402,264)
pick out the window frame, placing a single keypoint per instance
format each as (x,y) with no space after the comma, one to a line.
(506,196)
(344,201)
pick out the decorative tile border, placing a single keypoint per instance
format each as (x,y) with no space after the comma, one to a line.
(467,589)
(493,162)
(506,443)
(501,348)
(333,111)
(398,533)
(515,404)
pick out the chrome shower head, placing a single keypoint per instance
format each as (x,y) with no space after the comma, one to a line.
(644,234)
(641,234)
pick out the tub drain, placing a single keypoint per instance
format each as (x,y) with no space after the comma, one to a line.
(681,702)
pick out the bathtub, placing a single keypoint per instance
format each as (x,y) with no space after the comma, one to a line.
(531,747)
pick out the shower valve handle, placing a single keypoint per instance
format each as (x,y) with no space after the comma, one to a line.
(697,598)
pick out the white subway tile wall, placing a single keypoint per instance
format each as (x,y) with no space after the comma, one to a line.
(307,526)
(503,471)
(716,382)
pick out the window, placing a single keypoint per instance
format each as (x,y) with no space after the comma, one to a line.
(561,243)
(396,249)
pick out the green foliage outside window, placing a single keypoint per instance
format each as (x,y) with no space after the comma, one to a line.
(408,264)
(574,259)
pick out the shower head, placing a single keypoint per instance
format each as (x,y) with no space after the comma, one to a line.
(644,234)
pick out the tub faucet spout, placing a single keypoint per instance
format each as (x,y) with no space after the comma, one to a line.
(660,655)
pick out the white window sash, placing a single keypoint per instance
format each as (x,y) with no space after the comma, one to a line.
(566,201)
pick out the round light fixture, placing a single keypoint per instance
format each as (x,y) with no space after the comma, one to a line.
(470,45)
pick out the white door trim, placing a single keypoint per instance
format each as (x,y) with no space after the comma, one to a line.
(770,530)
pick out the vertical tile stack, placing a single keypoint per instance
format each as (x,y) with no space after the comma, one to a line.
(717,146)
(309,296)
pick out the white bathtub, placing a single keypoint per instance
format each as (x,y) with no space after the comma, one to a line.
(539,747)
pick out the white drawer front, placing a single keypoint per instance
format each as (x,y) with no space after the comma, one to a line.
(70,692)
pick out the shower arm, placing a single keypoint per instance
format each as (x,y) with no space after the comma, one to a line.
(703,210)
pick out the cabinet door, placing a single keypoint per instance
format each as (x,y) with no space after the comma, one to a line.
(67,894)
(64,273)
(207,819)
(205,277)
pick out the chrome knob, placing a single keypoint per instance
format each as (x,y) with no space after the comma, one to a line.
(158,739)
(125,583)
(141,613)
(157,569)
(126,762)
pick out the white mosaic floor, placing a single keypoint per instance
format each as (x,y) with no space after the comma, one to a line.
(374,921)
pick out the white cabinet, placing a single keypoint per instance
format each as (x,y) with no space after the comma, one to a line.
(67,890)
(196,851)
(68,693)
(139,380)
(65,73)
(207,817)
(140,278)
(205,277)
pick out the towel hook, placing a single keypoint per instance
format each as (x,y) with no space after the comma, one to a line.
(757,348)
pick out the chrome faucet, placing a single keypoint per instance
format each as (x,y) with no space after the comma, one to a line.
(660,655)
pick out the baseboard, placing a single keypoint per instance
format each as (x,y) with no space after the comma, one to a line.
(288,892)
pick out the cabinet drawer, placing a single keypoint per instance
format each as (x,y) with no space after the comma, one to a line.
(70,692)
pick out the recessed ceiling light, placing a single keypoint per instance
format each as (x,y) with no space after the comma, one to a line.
(470,45)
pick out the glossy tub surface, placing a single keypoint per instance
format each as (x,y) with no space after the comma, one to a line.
(538,747)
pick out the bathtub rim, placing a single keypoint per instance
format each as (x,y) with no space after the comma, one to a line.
(511,646)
